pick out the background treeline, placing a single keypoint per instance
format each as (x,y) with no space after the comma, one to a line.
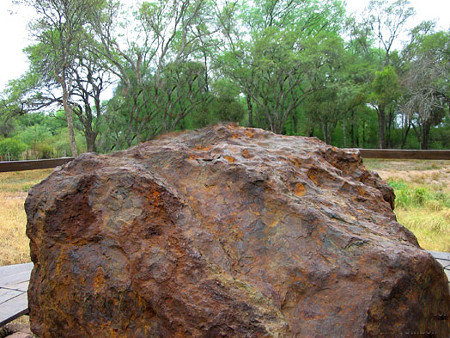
(104,75)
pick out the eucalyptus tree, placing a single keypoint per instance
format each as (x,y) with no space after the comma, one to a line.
(160,35)
(427,90)
(269,57)
(376,36)
(38,90)
(60,27)
(387,19)
(89,82)
(334,91)
(384,96)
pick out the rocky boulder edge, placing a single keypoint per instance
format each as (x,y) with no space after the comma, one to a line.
(226,231)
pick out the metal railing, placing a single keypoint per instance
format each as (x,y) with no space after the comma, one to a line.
(33,164)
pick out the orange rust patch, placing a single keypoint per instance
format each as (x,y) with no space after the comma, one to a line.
(249,133)
(229,159)
(233,127)
(156,195)
(99,281)
(313,178)
(199,148)
(300,190)
(246,154)
(295,162)
(361,191)
(273,224)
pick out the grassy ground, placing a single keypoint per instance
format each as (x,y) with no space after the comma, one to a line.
(422,204)
(422,190)
(14,245)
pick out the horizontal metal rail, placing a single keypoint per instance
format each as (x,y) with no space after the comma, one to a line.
(34,164)
(401,154)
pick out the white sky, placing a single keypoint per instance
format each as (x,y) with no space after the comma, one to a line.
(14,35)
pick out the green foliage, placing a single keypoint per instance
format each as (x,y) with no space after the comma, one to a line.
(385,86)
(11,148)
(292,66)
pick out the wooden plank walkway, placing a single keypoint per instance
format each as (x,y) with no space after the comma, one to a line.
(14,285)
(13,291)
(444,259)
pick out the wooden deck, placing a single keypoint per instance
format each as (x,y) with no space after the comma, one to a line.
(444,259)
(14,285)
(13,291)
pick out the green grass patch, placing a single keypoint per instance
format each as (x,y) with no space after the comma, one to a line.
(409,195)
(425,210)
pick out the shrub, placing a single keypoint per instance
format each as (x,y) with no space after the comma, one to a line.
(11,148)
(45,150)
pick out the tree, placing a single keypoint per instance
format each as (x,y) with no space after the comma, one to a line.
(327,75)
(385,91)
(269,59)
(10,149)
(36,90)
(165,34)
(427,95)
(60,30)
(387,20)
(90,79)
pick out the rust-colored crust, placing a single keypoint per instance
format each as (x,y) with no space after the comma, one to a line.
(226,232)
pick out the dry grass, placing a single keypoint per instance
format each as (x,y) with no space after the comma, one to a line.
(432,228)
(14,247)
(422,191)
(14,244)
(22,181)
(397,165)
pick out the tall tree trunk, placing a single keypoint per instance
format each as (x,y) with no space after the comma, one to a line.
(324,131)
(68,110)
(424,144)
(344,130)
(90,137)
(363,141)
(205,61)
(331,126)
(381,128)
(295,120)
(250,111)
(352,129)
(390,125)
(405,135)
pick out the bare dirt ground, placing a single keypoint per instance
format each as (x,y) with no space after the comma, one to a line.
(19,328)
(434,173)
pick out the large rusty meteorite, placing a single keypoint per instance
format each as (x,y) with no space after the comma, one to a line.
(226,231)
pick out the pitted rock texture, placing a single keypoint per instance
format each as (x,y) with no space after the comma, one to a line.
(226,232)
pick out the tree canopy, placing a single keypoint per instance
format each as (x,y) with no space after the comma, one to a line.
(123,75)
